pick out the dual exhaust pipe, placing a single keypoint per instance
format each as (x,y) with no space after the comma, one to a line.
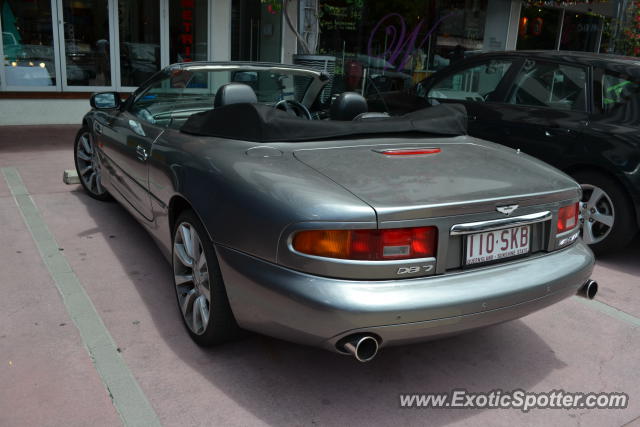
(589,289)
(364,347)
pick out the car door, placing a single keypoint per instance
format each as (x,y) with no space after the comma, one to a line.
(544,112)
(477,84)
(128,139)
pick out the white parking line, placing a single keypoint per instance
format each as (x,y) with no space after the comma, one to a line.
(612,312)
(126,394)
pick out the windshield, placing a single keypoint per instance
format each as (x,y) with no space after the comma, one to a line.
(177,93)
(270,86)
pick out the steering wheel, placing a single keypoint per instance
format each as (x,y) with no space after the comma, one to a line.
(294,108)
(486,96)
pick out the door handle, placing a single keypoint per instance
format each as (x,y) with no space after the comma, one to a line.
(142,153)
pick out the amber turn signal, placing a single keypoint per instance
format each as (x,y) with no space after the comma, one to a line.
(370,245)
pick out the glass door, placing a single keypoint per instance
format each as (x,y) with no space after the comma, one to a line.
(256,30)
(86,46)
(139,40)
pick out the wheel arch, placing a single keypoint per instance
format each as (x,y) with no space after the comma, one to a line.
(88,119)
(177,205)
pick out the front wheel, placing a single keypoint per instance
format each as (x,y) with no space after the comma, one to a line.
(606,213)
(200,291)
(87,165)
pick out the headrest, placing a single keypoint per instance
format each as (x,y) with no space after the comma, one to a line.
(234,93)
(347,106)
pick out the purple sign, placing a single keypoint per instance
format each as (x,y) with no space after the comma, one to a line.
(400,45)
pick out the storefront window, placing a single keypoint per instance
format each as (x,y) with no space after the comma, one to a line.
(187,30)
(28,44)
(256,30)
(538,28)
(461,31)
(581,32)
(607,42)
(86,42)
(396,44)
(139,28)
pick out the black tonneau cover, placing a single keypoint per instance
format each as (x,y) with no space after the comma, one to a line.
(263,123)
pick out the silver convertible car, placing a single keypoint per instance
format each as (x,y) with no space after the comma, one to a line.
(306,217)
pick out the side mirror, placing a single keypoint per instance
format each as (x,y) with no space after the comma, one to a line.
(105,100)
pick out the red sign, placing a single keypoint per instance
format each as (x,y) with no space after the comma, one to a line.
(186,35)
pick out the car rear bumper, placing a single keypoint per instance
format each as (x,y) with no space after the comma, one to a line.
(319,311)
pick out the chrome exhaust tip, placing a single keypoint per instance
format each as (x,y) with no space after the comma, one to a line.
(363,347)
(589,289)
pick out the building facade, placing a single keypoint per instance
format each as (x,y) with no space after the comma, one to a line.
(63,50)
(56,52)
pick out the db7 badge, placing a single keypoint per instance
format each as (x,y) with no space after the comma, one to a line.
(415,269)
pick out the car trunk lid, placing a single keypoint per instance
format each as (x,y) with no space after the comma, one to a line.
(466,175)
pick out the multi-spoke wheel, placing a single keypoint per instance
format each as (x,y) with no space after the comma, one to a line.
(87,165)
(191,275)
(597,214)
(199,287)
(606,214)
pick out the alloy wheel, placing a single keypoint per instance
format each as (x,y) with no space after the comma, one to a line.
(191,275)
(597,214)
(88,166)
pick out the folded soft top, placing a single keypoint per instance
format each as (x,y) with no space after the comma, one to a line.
(263,123)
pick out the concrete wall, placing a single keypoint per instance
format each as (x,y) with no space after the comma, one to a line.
(42,111)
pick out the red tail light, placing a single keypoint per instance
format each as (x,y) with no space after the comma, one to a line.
(409,152)
(567,218)
(370,245)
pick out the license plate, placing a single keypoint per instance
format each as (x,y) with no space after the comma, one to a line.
(499,244)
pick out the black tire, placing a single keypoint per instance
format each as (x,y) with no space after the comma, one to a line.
(221,326)
(99,193)
(624,226)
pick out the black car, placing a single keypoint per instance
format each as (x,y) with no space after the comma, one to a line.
(577,111)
